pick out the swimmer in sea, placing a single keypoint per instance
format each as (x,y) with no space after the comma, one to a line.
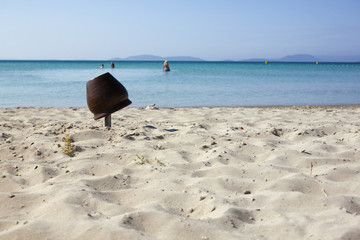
(166,67)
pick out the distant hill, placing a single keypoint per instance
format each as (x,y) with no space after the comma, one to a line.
(289,58)
(184,58)
(144,58)
(307,58)
(340,58)
(255,60)
(157,58)
(299,58)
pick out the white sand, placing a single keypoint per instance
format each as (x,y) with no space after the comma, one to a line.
(229,173)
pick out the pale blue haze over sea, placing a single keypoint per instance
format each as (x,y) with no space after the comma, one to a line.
(189,84)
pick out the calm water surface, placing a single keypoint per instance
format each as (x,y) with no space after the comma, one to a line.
(189,84)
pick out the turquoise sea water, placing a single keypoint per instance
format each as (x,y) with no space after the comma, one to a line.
(189,84)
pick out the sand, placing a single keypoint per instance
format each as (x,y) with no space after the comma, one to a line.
(183,173)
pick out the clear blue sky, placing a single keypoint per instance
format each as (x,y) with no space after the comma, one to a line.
(211,30)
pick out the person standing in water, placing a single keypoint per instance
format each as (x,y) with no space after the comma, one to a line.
(166,67)
(112,65)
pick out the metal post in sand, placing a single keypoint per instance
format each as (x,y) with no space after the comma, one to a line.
(108,121)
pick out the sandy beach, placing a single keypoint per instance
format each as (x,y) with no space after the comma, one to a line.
(182,173)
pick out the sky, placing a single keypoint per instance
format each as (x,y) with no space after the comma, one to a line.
(207,29)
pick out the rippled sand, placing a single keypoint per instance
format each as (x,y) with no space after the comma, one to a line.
(183,173)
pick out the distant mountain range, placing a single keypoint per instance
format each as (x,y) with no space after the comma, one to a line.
(157,58)
(307,58)
(300,58)
(289,58)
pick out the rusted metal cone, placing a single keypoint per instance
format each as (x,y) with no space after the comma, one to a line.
(106,95)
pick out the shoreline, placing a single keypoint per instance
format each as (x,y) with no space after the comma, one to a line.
(199,107)
(272,172)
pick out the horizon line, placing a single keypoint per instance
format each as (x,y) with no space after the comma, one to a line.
(225,60)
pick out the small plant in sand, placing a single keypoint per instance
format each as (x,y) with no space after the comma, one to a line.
(159,162)
(69,149)
(142,160)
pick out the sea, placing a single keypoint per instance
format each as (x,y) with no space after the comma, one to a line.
(188,84)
